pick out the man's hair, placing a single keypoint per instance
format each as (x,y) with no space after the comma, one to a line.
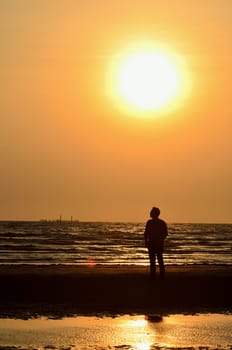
(155,212)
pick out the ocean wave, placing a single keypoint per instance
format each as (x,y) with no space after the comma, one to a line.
(111,243)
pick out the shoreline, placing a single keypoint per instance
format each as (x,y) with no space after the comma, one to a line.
(57,291)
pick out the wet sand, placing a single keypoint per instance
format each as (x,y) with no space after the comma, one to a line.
(58,291)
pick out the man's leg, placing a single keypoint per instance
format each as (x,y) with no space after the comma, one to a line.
(161,264)
(152,263)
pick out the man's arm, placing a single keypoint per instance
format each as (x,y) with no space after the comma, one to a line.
(165,230)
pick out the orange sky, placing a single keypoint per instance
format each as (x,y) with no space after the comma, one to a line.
(66,148)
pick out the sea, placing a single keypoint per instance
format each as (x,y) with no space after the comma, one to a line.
(110,243)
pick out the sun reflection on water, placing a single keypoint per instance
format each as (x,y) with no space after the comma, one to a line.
(143,346)
(136,332)
(139,322)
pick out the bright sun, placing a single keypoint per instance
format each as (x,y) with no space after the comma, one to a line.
(147,80)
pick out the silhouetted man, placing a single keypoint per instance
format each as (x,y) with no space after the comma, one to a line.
(155,234)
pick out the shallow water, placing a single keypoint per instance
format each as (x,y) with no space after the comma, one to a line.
(123,332)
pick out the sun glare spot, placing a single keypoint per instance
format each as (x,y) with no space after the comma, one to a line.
(90,262)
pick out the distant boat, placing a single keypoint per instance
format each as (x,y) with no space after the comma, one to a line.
(59,220)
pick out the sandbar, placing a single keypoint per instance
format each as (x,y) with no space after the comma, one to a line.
(57,291)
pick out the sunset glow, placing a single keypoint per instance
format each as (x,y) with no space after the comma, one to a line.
(93,91)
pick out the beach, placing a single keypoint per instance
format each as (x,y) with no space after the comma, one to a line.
(58,291)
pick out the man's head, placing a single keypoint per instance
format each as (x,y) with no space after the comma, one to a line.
(154,213)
